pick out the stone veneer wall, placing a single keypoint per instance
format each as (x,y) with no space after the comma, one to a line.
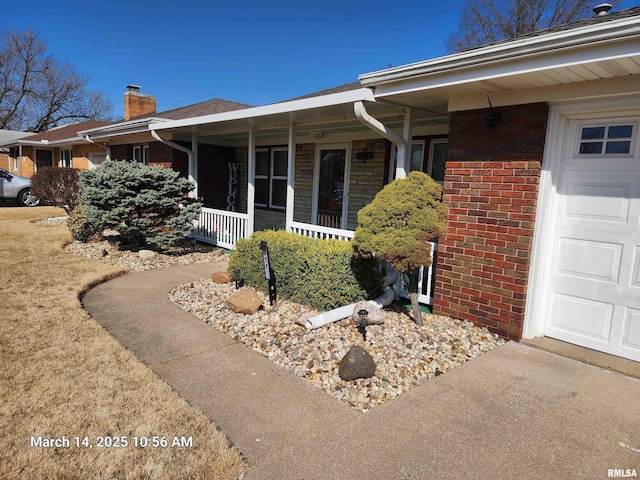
(491,188)
(366,179)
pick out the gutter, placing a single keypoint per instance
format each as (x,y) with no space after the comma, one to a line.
(193,175)
(525,47)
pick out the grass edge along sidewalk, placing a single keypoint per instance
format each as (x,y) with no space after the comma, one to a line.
(63,376)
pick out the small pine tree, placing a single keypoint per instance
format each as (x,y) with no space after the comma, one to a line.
(398,224)
(146,205)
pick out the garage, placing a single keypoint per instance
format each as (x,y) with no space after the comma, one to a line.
(588,247)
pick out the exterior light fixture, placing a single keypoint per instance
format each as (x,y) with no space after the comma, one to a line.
(363,322)
(494,116)
(365,154)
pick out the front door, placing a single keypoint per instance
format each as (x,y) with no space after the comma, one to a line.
(44,158)
(331,185)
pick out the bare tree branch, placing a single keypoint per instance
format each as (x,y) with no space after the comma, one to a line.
(38,91)
(488,21)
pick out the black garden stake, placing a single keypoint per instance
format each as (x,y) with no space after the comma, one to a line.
(268,272)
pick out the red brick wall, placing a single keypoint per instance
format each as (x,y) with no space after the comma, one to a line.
(491,188)
(160,154)
(122,152)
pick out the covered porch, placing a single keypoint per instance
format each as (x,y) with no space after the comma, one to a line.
(306,166)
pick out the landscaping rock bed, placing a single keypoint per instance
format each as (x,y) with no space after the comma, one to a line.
(109,252)
(405,355)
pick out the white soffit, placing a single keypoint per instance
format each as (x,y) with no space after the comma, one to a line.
(335,106)
(603,51)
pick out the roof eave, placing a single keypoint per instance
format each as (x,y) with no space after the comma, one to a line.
(122,128)
(360,94)
(611,31)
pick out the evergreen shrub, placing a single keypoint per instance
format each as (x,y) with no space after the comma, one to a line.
(82,229)
(147,205)
(323,274)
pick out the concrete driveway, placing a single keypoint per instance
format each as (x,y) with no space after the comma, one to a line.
(515,412)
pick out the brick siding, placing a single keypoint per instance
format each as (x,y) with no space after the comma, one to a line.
(491,188)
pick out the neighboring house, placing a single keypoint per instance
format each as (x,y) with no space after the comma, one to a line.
(131,139)
(535,140)
(7,136)
(57,147)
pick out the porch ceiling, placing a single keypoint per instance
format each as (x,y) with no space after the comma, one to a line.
(334,119)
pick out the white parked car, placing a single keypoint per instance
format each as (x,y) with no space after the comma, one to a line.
(13,187)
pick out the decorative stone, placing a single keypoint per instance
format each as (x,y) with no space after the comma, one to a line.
(217,253)
(357,363)
(245,301)
(221,277)
(374,317)
(147,254)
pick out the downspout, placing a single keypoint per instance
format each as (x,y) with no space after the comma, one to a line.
(20,158)
(403,144)
(107,148)
(194,192)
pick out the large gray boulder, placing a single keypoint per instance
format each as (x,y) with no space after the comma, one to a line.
(357,363)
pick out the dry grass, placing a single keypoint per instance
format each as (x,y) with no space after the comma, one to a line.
(62,374)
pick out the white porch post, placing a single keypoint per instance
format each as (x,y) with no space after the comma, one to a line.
(251,192)
(291,171)
(404,149)
(193,164)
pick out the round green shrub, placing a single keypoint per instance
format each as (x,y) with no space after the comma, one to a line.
(323,274)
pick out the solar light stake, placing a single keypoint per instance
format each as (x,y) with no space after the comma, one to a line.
(363,322)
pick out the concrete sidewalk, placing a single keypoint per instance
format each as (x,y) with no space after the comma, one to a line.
(514,412)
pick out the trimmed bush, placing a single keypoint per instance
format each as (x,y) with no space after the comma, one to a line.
(57,187)
(323,274)
(398,224)
(146,205)
(81,228)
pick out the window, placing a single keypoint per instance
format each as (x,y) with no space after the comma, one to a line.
(431,162)
(141,154)
(438,149)
(66,158)
(606,140)
(271,177)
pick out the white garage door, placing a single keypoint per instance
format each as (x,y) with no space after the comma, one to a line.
(594,280)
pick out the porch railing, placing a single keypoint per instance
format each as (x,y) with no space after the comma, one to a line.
(425,278)
(317,231)
(221,228)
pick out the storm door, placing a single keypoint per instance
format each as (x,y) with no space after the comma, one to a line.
(331,184)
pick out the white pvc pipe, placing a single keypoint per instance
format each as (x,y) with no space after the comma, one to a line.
(338,314)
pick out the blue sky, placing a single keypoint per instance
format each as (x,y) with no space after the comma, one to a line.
(247,51)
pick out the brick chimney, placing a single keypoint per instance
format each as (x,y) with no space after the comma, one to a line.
(136,103)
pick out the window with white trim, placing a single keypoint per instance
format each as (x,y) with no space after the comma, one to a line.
(141,154)
(271,177)
(606,140)
(66,158)
(435,158)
